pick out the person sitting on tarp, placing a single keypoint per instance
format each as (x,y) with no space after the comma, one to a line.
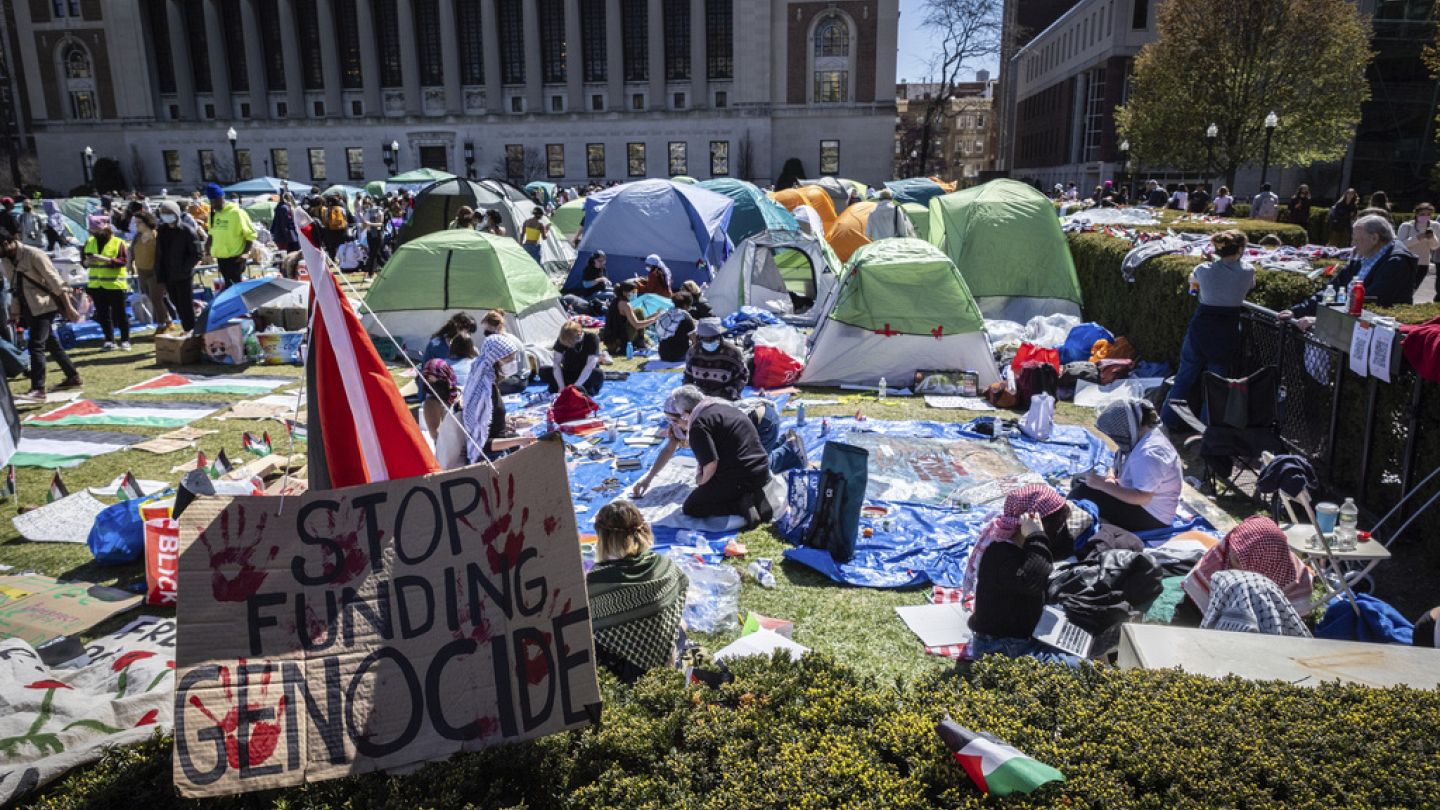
(485,433)
(732,467)
(514,373)
(637,597)
(623,326)
(657,277)
(576,361)
(592,291)
(715,365)
(1008,578)
(1256,545)
(1143,492)
(676,329)
(787,450)
(699,304)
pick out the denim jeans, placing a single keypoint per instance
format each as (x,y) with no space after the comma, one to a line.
(782,456)
(982,645)
(1211,344)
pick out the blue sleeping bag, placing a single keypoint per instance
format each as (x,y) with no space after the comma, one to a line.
(1077,345)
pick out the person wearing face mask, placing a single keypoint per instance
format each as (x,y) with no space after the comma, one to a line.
(105,256)
(39,293)
(622,324)
(715,365)
(177,251)
(1143,492)
(732,467)
(515,371)
(483,410)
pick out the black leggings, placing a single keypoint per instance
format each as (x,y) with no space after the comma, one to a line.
(715,498)
(110,312)
(1116,512)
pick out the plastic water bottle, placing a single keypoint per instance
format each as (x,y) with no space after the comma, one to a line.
(1340,296)
(760,571)
(882,389)
(1346,526)
(629,351)
(689,537)
(800,414)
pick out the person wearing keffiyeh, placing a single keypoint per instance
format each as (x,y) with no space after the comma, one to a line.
(1143,492)
(482,406)
(1256,545)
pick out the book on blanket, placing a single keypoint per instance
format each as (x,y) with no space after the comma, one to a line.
(1057,631)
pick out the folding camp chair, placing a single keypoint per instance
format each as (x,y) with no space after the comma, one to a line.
(1240,425)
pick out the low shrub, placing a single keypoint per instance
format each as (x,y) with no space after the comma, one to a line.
(813,734)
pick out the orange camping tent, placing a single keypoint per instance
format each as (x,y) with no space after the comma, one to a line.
(847,235)
(813,196)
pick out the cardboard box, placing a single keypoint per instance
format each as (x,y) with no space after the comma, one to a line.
(291,319)
(178,350)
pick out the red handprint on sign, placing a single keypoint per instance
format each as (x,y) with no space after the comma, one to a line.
(264,737)
(236,577)
(501,514)
(349,542)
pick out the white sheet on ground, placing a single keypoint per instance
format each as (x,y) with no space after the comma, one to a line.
(1094,395)
(761,642)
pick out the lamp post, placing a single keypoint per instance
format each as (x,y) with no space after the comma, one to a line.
(87,162)
(1211,133)
(389,158)
(470,159)
(395,150)
(1125,169)
(1271,122)
(233,137)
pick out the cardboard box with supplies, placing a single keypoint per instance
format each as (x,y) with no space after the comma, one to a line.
(179,350)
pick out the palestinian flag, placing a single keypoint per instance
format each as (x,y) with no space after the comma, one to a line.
(192,384)
(129,488)
(994,766)
(126,413)
(200,462)
(255,444)
(220,465)
(54,447)
(57,489)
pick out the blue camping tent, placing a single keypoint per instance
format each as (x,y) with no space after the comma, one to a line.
(681,223)
(754,211)
(918,190)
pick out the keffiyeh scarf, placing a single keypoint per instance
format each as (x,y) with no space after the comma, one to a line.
(477,398)
(1247,602)
(1257,545)
(635,608)
(1029,498)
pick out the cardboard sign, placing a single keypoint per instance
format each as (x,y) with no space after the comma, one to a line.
(36,609)
(379,626)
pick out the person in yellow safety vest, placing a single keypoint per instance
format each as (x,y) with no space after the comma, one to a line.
(231,234)
(104,254)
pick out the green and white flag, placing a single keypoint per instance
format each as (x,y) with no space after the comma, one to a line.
(993,765)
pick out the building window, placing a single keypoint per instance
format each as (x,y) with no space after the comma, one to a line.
(637,101)
(1094,114)
(235,45)
(207,165)
(210,112)
(171,158)
(245,109)
(597,102)
(679,101)
(635,159)
(517,104)
(355,162)
(557,104)
(677,40)
(280,163)
(244,169)
(174,112)
(722,99)
(515,161)
(199,48)
(79,81)
(678,162)
(719,158)
(282,109)
(387,35)
(552,40)
(357,108)
(271,43)
(509,18)
(829,157)
(635,39)
(720,39)
(472,41)
(592,40)
(832,38)
(347,30)
(831,85)
(427,42)
(317,163)
(595,159)
(307,24)
(554,160)
(158,18)
(319,108)
(67,8)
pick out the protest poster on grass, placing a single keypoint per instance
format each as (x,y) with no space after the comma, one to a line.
(379,626)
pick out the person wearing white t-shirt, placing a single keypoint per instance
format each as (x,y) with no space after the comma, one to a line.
(1143,492)
(1421,236)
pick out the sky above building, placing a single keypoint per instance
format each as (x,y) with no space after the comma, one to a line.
(917,46)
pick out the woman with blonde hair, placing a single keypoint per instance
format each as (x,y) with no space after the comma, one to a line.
(637,597)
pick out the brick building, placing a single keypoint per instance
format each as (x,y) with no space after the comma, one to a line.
(962,146)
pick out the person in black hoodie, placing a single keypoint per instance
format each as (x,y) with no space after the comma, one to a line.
(177,251)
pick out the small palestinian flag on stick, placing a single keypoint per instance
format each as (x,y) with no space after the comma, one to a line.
(57,489)
(10,481)
(220,465)
(200,462)
(129,488)
(256,445)
(994,766)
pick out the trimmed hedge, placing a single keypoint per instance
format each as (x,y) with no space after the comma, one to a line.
(814,735)
(1154,311)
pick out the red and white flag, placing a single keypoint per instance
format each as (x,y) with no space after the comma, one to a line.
(356,413)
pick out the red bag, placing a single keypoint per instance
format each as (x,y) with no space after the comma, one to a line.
(572,405)
(1029,352)
(774,368)
(1112,370)
(162,560)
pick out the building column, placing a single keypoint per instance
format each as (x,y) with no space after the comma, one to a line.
(219,61)
(180,61)
(614,55)
(409,59)
(574,59)
(656,42)
(490,34)
(294,74)
(330,58)
(254,60)
(534,79)
(450,50)
(699,79)
(369,58)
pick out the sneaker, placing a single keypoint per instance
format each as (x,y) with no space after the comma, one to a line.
(72,381)
(797,445)
(33,395)
(124,345)
(107,346)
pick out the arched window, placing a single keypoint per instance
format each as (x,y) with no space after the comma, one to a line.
(830,59)
(77,63)
(832,38)
(79,74)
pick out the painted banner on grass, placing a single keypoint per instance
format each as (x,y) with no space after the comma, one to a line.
(127,413)
(379,626)
(53,447)
(207,384)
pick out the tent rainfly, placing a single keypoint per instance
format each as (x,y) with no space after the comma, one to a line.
(775,270)
(813,196)
(436,204)
(683,224)
(754,212)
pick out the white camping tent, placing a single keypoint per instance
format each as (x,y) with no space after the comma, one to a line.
(773,270)
(900,307)
(557,255)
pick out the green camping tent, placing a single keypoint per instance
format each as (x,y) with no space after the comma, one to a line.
(262,211)
(904,286)
(419,177)
(1006,240)
(567,218)
(919,217)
